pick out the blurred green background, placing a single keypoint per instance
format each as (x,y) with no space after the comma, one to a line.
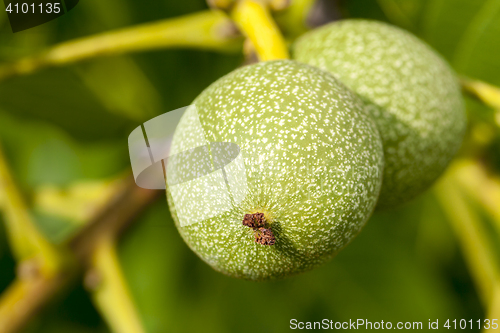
(64,125)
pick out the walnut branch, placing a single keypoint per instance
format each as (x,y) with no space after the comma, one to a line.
(27,295)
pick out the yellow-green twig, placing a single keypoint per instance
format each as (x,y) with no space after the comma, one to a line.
(204,30)
(487,93)
(77,202)
(109,289)
(41,266)
(255,21)
(475,244)
(27,296)
(494,309)
(26,241)
(485,188)
(31,291)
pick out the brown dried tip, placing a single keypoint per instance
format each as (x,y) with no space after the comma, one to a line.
(257,222)
(248,221)
(264,236)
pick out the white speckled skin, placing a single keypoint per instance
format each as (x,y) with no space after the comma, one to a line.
(419,107)
(313,159)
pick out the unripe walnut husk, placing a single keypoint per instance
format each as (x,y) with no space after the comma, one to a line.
(409,89)
(313,165)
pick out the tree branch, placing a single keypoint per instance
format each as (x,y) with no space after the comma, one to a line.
(255,21)
(109,289)
(473,239)
(25,297)
(26,241)
(486,93)
(204,30)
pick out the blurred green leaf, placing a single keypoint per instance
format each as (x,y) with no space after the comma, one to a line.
(59,97)
(72,313)
(444,23)
(57,229)
(23,43)
(7,264)
(363,9)
(122,87)
(45,160)
(43,154)
(477,53)
(110,14)
(181,75)
(3,18)
(478,111)
(404,13)
(62,211)
(151,255)
(435,243)
(466,33)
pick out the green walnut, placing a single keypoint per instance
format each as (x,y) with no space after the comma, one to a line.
(304,180)
(410,90)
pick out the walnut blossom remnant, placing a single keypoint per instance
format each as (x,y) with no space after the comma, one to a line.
(264,236)
(257,222)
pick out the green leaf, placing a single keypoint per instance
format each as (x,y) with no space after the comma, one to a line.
(73,312)
(364,9)
(478,51)
(57,229)
(122,87)
(404,13)
(59,96)
(41,154)
(444,22)
(151,255)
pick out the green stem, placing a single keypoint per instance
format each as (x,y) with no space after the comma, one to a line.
(109,290)
(25,297)
(494,308)
(487,93)
(205,30)
(473,239)
(255,21)
(26,242)
(42,267)
(484,189)
(481,186)
(30,293)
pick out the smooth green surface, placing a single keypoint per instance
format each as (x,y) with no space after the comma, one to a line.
(410,91)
